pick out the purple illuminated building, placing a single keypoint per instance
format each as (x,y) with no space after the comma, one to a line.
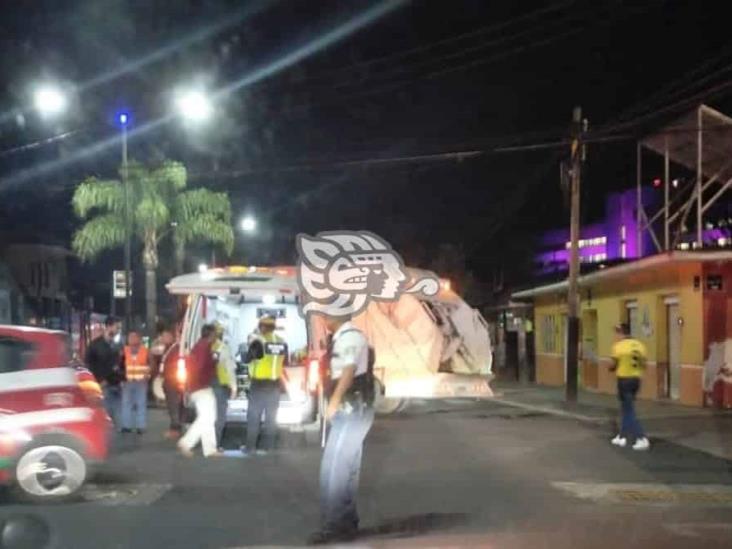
(614,238)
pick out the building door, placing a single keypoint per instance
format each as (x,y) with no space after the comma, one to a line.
(631,308)
(512,356)
(673,381)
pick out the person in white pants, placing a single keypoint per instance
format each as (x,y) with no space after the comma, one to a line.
(203,427)
(201,369)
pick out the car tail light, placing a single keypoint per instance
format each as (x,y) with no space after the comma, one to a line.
(313,375)
(181,374)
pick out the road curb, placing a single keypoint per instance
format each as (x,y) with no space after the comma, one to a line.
(551,411)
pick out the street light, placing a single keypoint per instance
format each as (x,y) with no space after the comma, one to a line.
(193,106)
(248,224)
(124,119)
(49,100)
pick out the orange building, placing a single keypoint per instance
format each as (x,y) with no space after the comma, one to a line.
(678,304)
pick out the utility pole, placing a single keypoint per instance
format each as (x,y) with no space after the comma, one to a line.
(573,301)
(128,236)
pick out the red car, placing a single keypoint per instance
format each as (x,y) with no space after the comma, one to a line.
(52,425)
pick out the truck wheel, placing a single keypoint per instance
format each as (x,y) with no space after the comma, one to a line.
(50,471)
(385,406)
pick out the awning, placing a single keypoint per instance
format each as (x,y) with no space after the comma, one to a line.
(626,268)
(681,137)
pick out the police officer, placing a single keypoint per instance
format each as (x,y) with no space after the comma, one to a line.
(629,361)
(351,414)
(224,384)
(266,356)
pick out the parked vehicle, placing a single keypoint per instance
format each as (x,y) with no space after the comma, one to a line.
(53,426)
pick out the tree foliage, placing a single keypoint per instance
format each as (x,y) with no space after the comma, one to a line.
(159,207)
(158,202)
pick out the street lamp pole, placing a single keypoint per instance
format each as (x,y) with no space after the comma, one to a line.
(128,251)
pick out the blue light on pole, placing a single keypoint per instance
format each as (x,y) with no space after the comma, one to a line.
(123,118)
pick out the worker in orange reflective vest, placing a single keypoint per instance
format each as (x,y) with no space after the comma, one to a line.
(134,389)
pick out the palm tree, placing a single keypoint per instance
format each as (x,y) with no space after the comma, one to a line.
(158,202)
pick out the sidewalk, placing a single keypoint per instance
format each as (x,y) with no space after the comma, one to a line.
(701,429)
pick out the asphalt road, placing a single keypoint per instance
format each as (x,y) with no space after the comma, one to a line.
(457,473)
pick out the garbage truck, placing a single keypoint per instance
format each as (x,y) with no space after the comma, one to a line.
(425,347)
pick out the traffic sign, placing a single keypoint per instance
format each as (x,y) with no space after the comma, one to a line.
(119,284)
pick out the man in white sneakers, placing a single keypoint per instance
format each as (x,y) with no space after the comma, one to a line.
(629,362)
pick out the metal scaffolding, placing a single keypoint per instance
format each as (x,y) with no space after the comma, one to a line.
(701,143)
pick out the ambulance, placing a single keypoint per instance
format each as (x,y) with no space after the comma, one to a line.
(425,347)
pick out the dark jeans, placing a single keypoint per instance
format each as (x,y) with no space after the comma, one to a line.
(222,394)
(340,469)
(630,427)
(174,403)
(264,396)
(113,402)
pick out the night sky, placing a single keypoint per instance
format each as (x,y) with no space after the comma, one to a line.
(302,148)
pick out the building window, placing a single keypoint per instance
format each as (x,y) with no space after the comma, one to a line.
(549,333)
(623,249)
(584,242)
(45,275)
(593,258)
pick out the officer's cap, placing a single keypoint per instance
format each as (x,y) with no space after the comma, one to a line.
(267,320)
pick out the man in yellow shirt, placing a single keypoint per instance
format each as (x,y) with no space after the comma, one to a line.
(629,361)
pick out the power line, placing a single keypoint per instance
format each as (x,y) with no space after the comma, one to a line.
(703,95)
(432,74)
(437,157)
(399,70)
(671,90)
(661,109)
(443,156)
(40,143)
(450,68)
(487,29)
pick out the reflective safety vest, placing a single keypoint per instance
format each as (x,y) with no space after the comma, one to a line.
(222,373)
(271,364)
(136,365)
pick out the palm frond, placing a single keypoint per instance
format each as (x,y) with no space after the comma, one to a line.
(190,204)
(208,228)
(98,234)
(95,194)
(171,177)
(151,212)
